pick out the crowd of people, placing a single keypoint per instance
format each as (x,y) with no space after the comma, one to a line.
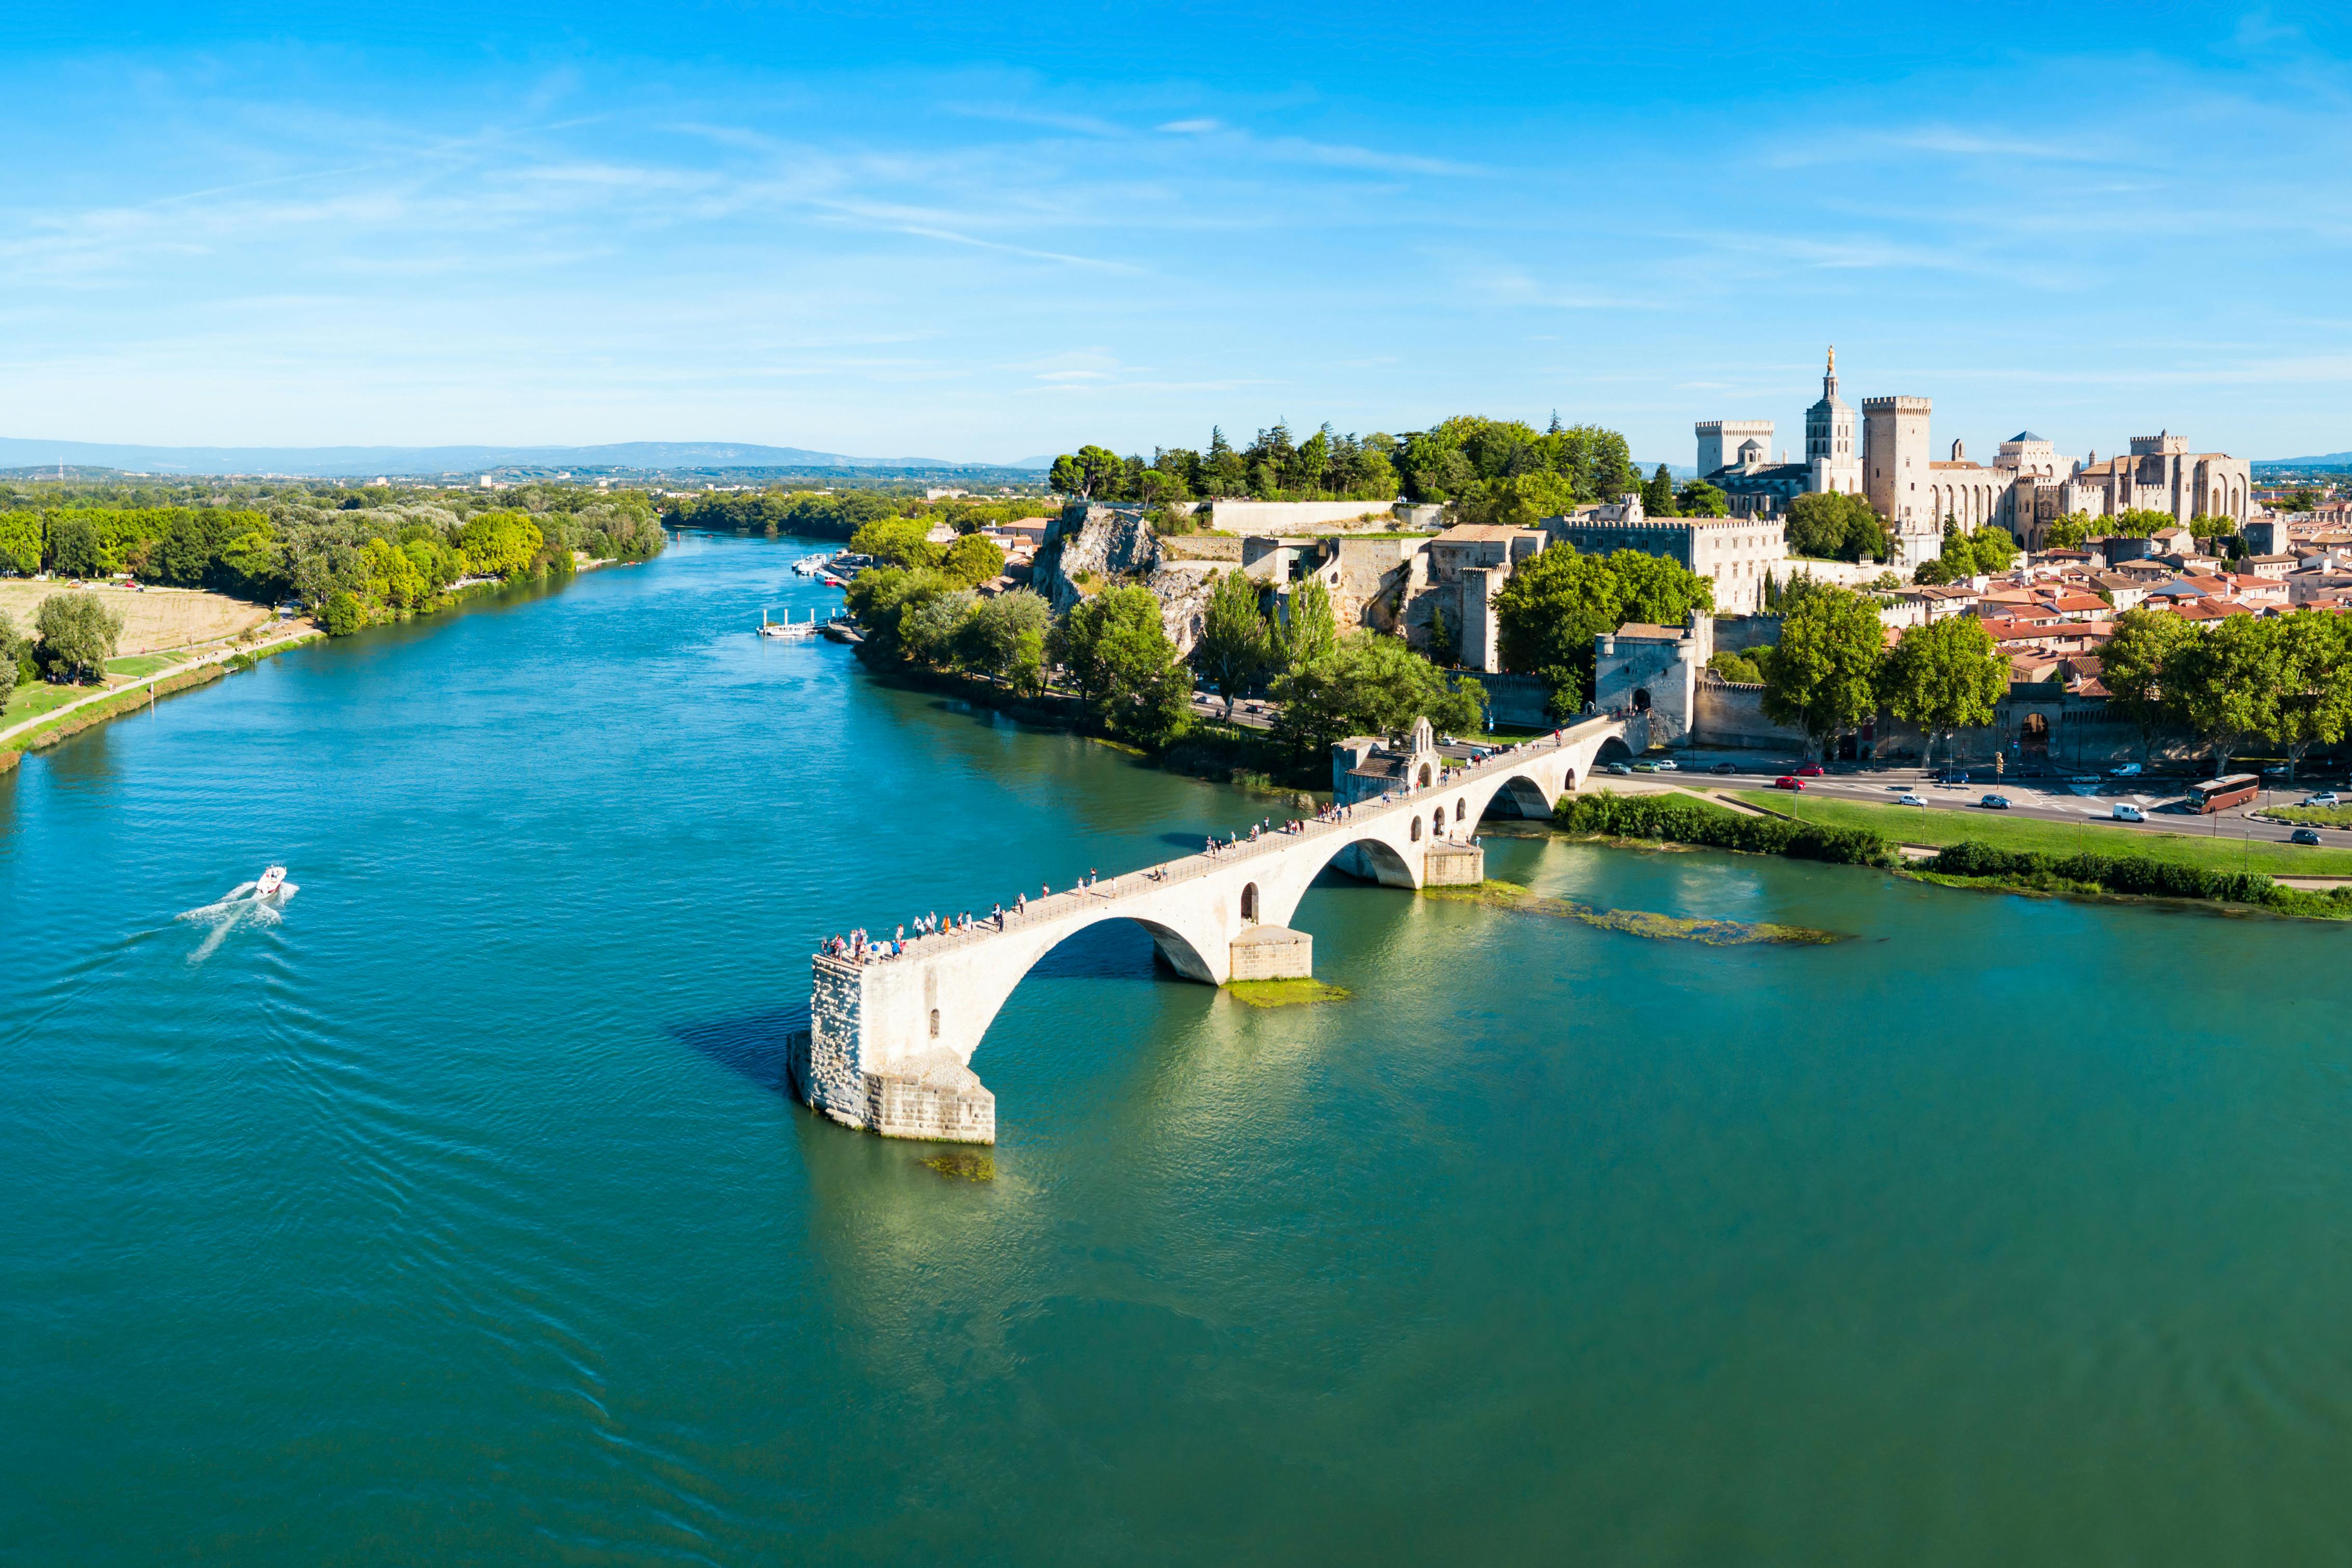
(859,947)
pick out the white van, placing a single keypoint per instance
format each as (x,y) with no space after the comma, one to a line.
(2125,811)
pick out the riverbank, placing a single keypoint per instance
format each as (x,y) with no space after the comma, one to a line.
(96,707)
(1966,862)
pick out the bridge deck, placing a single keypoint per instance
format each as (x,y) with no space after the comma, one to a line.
(1353,818)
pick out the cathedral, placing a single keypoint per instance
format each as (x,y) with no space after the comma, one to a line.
(2025,488)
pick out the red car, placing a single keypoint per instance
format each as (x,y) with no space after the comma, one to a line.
(1788,781)
(1809,770)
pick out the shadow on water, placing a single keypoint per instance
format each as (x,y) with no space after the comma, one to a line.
(752,1045)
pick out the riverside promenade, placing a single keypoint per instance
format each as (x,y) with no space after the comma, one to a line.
(891,1038)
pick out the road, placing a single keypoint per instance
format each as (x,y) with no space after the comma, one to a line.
(2047,799)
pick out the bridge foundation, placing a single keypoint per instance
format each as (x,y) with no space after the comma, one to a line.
(1453,865)
(1273,952)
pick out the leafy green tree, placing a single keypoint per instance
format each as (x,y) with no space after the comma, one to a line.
(971,561)
(1699,498)
(14,645)
(1823,675)
(1236,644)
(2314,705)
(1373,685)
(1097,473)
(1995,551)
(2070,532)
(342,613)
(896,541)
(2229,678)
(20,543)
(1658,494)
(1119,658)
(1833,526)
(1005,637)
(1739,668)
(1549,611)
(1944,676)
(2138,522)
(881,597)
(930,627)
(501,543)
(73,548)
(1310,632)
(77,635)
(2134,666)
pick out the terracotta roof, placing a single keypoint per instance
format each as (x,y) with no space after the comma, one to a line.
(1642,631)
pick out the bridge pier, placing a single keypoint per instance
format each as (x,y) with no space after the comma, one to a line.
(1273,952)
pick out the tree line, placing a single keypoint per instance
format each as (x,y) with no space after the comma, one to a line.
(351,564)
(1491,470)
(838,514)
(1112,650)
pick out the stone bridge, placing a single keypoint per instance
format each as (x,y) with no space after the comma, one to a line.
(890,1041)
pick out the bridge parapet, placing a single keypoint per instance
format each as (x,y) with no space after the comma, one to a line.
(891,1037)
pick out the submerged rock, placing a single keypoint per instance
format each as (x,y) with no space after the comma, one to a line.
(962,1165)
(1714,932)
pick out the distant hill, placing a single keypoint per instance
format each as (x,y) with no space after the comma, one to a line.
(2332,460)
(339,462)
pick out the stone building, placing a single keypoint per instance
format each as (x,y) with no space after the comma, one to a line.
(1728,443)
(2161,474)
(1831,450)
(1732,552)
(1641,668)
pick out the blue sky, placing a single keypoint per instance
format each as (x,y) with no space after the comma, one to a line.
(986,234)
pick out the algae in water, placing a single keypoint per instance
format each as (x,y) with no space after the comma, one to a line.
(962,1165)
(1639,922)
(1284,993)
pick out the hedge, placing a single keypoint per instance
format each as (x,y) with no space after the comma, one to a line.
(2135,874)
(1690,822)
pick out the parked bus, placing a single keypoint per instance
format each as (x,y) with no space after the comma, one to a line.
(2220,794)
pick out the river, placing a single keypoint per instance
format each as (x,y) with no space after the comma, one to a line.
(458,1216)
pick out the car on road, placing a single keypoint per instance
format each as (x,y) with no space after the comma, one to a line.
(2128,771)
(2303,836)
(1645,767)
(2126,812)
(1995,802)
(2324,797)
(1810,770)
(1723,768)
(1667,765)
(1954,778)
(1788,781)
(1616,768)
(1909,797)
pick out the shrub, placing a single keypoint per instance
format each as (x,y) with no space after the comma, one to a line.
(342,615)
(2135,874)
(1689,821)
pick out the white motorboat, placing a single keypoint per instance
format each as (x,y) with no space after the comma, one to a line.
(271,881)
(810,565)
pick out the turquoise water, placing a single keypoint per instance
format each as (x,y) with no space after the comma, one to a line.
(458,1216)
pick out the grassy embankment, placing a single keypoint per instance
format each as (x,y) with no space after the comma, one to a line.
(1942,827)
(81,719)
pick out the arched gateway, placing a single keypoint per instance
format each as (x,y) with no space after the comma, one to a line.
(890,1041)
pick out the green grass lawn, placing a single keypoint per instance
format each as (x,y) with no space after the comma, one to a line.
(1940,825)
(36,698)
(2316,815)
(132,666)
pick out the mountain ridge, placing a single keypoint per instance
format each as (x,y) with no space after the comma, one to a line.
(336,462)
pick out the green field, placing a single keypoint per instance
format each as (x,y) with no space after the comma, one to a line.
(2314,815)
(1940,825)
(132,666)
(36,698)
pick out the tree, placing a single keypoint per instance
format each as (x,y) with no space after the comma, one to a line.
(971,561)
(1823,676)
(1124,666)
(77,635)
(1699,498)
(12,646)
(1376,685)
(2133,668)
(2070,532)
(1549,611)
(1743,668)
(2314,700)
(73,548)
(1831,526)
(1995,551)
(897,542)
(1095,472)
(2227,678)
(882,596)
(342,613)
(501,543)
(930,628)
(1005,637)
(1944,676)
(1658,494)
(1309,634)
(1236,646)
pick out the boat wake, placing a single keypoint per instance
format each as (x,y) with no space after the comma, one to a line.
(242,905)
